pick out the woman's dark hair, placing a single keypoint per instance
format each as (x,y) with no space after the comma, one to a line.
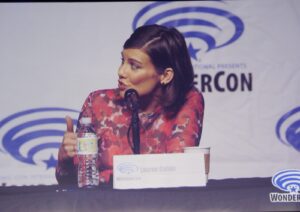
(167,49)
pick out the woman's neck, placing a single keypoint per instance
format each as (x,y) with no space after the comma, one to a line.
(150,103)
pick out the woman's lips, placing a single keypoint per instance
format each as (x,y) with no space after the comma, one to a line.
(121,85)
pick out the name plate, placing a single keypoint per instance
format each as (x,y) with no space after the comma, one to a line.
(158,171)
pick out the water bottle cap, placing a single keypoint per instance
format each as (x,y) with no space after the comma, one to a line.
(86,120)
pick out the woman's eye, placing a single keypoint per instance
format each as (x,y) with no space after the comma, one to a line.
(134,66)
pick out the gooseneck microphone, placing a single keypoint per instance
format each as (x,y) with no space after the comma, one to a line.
(132,100)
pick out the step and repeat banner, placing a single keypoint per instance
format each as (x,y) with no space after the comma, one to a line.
(244,53)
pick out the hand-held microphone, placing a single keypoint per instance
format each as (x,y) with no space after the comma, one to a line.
(132,100)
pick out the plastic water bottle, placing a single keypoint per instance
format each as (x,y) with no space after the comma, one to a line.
(88,174)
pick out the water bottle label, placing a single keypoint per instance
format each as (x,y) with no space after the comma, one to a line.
(88,145)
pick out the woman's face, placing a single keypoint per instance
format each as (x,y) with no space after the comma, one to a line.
(137,72)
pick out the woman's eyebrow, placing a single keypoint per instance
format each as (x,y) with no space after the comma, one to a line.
(135,60)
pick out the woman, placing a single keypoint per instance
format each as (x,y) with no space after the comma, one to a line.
(155,63)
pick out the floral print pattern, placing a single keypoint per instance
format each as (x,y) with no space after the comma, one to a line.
(111,119)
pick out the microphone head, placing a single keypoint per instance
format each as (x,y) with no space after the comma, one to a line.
(132,98)
(129,92)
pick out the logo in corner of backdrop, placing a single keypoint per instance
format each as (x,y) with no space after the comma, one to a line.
(33,136)
(204,27)
(288,128)
(287,181)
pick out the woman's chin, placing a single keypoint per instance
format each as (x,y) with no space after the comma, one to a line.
(122,93)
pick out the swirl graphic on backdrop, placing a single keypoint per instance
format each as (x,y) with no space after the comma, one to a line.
(288,128)
(30,135)
(212,26)
(287,180)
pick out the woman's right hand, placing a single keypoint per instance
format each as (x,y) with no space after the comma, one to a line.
(68,147)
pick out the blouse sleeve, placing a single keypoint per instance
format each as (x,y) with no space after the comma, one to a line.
(187,126)
(66,172)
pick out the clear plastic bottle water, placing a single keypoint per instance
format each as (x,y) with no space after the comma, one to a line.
(88,174)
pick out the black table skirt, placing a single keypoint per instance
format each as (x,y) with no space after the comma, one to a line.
(247,194)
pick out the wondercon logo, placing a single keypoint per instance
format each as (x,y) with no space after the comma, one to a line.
(127,168)
(205,27)
(33,136)
(288,128)
(288,181)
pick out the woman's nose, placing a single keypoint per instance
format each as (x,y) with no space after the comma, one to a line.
(121,71)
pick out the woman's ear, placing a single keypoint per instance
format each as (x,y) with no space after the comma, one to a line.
(167,76)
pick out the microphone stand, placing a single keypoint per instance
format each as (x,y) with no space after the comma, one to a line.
(131,97)
(135,129)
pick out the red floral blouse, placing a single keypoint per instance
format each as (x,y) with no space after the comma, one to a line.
(111,119)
